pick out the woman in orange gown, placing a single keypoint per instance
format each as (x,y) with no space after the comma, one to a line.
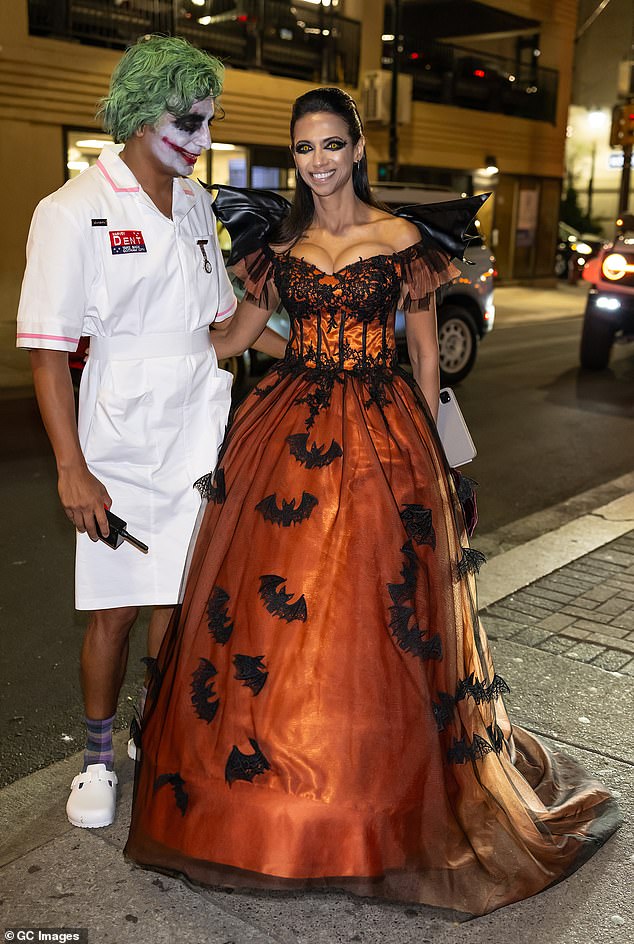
(325,710)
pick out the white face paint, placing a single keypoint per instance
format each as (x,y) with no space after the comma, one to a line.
(177,143)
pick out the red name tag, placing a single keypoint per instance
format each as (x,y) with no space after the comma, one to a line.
(126,240)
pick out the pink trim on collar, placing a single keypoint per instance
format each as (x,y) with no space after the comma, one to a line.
(113,184)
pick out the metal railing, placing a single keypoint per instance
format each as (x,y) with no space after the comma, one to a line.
(470,78)
(312,43)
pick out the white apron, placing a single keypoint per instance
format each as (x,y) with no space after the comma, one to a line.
(104,262)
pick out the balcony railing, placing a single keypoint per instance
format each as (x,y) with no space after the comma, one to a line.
(473,79)
(310,43)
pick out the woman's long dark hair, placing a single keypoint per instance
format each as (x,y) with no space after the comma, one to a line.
(337,102)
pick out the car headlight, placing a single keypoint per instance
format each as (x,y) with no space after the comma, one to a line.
(607,303)
(615,266)
(583,248)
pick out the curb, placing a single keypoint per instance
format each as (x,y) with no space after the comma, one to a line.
(526,563)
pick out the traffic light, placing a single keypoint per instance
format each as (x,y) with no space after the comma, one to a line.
(622,133)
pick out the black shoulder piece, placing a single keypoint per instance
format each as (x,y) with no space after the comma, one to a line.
(248,215)
(446,223)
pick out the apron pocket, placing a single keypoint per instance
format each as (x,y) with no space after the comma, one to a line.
(122,430)
(219,404)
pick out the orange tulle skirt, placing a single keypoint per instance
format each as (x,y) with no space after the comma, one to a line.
(325,711)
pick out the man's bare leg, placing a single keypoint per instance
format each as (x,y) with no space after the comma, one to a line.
(104,657)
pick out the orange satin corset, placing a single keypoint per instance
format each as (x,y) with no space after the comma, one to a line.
(343,321)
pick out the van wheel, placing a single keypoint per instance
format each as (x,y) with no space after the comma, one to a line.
(457,343)
(597,338)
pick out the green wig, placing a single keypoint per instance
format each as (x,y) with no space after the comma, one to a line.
(157,74)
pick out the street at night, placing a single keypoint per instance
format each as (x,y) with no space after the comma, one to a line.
(395,704)
(545,430)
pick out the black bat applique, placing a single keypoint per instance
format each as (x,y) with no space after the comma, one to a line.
(317,456)
(410,638)
(480,691)
(462,752)
(418,524)
(496,737)
(177,783)
(251,671)
(405,591)
(212,487)
(276,601)
(288,514)
(204,698)
(470,562)
(218,619)
(245,766)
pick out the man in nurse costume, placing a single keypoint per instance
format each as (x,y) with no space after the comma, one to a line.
(127,254)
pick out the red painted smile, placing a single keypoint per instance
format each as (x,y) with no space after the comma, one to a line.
(186,155)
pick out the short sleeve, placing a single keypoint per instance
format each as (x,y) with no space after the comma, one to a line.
(424,268)
(257,272)
(59,271)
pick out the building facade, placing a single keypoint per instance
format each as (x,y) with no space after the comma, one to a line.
(490,91)
(604,48)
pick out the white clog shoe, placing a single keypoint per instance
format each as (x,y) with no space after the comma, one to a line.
(93,796)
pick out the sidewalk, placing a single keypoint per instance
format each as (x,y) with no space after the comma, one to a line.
(560,614)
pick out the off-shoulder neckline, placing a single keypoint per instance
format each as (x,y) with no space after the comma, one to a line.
(409,251)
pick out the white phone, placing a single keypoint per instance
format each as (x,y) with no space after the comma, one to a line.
(453,431)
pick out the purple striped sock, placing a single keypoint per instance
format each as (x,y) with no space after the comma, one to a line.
(99,747)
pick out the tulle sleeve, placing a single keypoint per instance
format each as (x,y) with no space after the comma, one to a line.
(257,272)
(424,269)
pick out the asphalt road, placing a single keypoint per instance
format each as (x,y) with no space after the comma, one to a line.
(545,431)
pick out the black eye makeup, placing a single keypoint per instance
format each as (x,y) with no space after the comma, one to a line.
(189,123)
(331,144)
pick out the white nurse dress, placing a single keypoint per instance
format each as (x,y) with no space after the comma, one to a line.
(103,261)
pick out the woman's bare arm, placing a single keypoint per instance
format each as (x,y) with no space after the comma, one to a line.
(243,330)
(271,343)
(422,345)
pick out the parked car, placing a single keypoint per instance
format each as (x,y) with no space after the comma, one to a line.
(609,314)
(574,250)
(466,311)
